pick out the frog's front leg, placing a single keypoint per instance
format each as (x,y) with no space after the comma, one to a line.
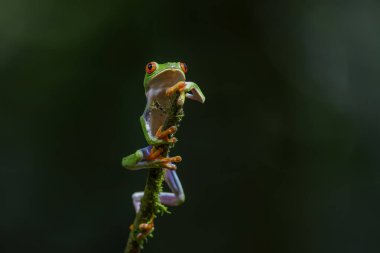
(187,87)
(160,137)
(177,197)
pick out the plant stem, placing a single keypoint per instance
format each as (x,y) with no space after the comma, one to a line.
(150,203)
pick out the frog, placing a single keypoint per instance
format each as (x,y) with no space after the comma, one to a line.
(161,81)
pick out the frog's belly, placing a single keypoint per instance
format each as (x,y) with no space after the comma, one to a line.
(158,109)
(156,119)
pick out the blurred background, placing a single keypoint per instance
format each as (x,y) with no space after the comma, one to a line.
(282,157)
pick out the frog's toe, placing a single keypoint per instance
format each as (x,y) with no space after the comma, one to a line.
(154,153)
(180,86)
(174,159)
(169,166)
(172,140)
(164,134)
(167,162)
(145,229)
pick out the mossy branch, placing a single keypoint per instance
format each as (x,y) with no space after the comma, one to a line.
(150,203)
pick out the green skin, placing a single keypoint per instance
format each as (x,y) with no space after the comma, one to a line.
(158,102)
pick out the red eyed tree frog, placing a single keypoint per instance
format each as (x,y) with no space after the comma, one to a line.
(161,81)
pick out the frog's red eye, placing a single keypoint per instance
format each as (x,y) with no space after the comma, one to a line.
(184,67)
(150,67)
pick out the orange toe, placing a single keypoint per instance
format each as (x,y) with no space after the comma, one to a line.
(154,153)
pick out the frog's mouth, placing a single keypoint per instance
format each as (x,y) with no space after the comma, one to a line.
(167,78)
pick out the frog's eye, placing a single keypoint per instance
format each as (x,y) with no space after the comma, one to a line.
(184,67)
(150,67)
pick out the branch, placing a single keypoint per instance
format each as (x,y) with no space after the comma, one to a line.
(150,203)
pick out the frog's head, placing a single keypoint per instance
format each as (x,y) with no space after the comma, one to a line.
(164,75)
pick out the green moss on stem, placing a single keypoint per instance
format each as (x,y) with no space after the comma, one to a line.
(150,203)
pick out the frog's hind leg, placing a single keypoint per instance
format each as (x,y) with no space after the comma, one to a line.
(136,160)
(136,198)
(174,198)
(177,196)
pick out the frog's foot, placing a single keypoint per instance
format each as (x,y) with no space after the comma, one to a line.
(154,157)
(174,159)
(180,86)
(167,162)
(154,154)
(145,229)
(164,135)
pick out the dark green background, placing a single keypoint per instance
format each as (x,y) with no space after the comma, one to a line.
(282,157)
